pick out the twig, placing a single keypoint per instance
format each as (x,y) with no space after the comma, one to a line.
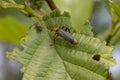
(42,11)
(51,4)
(4,4)
(32,12)
(23,8)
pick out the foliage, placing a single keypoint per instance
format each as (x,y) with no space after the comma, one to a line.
(44,59)
(80,11)
(63,59)
(114,34)
(11,30)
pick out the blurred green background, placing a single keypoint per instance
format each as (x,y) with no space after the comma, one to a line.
(97,12)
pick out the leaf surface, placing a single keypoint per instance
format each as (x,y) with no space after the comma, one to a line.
(43,59)
(11,30)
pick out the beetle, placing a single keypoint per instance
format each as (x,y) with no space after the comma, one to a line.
(65,35)
(39,26)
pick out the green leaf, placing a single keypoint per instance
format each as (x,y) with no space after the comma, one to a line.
(36,3)
(87,29)
(43,59)
(64,61)
(11,30)
(53,19)
(115,8)
(115,38)
(80,11)
(40,60)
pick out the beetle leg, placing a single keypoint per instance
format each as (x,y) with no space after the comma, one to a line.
(55,36)
(69,30)
(66,29)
